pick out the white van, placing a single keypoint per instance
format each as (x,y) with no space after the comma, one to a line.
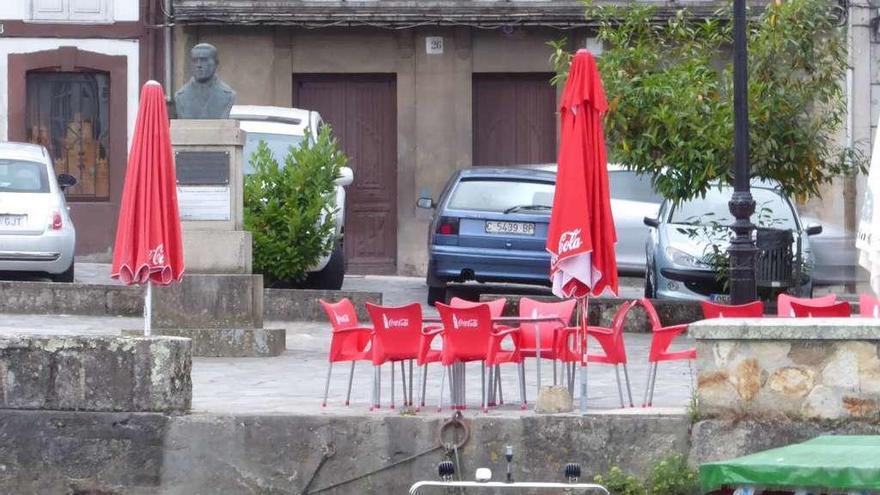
(281,127)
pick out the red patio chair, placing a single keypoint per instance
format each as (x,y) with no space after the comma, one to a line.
(496,307)
(530,308)
(397,338)
(613,349)
(869,306)
(840,309)
(783,303)
(754,309)
(661,339)
(470,335)
(349,342)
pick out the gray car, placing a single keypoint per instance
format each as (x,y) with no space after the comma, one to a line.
(36,232)
(680,246)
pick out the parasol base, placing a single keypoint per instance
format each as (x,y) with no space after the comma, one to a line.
(554,399)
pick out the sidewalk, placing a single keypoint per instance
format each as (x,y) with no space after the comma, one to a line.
(293,383)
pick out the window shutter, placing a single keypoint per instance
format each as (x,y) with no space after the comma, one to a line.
(89,10)
(49,10)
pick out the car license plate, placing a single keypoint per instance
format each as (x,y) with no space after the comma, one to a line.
(720,298)
(12,220)
(516,228)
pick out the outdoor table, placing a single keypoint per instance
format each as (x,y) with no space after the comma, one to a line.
(519,320)
(827,463)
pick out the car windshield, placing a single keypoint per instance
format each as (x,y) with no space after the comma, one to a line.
(771,209)
(630,186)
(278,144)
(19,176)
(502,195)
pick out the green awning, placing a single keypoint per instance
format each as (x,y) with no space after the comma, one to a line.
(831,462)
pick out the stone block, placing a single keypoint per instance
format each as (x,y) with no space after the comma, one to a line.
(210,301)
(228,342)
(553,400)
(302,304)
(75,299)
(90,373)
(217,251)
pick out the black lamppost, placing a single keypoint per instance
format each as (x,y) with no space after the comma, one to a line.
(742,205)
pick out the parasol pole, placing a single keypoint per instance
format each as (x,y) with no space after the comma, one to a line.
(582,340)
(148,309)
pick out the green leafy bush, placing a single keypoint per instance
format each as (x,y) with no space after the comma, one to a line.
(672,476)
(289,209)
(619,482)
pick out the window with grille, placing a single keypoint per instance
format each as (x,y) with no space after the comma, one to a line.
(68,113)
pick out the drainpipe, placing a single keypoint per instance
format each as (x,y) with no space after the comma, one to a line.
(169,88)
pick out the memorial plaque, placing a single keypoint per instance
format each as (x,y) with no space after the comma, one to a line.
(203,202)
(202,168)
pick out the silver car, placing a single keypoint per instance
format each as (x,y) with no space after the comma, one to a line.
(36,232)
(680,248)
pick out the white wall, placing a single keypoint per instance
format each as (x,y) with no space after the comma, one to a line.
(129,48)
(20,10)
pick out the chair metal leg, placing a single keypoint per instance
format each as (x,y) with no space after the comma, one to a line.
(554,373)
(619,387)
(442,386)
(628,388)
(523,404)
(648,384)
(392,384)
(425,385)
(403,382)
(327,385)
(653,383)
(350,378)
(483,384)
(491,390)
(374,395)
(485,402)
(500,388)
(379,387)
(410,382)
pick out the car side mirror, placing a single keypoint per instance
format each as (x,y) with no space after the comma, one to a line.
(813,229)
(426,203)
(652,222)
(346,176)
(66,180)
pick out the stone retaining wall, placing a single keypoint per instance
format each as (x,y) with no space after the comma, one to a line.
(120,300)
(88,373)
(813,368)
(602,310)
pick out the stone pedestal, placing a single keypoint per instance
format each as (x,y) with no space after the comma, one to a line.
(219,304)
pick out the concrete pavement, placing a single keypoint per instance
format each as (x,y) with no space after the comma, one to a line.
(293,383)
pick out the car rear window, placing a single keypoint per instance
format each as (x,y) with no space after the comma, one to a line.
(18,176)
(279,144)
(499,195)
(630,186)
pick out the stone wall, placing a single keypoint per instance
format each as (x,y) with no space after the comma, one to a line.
(602,310)
(87,373)
(798,368)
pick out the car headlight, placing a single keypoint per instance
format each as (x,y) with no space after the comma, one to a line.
(681,258)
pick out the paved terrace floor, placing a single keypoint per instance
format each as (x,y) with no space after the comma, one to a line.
(293,383)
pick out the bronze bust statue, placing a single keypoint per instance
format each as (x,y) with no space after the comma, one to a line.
(204,96)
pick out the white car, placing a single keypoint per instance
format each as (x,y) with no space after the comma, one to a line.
(36,232)
(280,128)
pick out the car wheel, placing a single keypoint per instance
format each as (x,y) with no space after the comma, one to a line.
(436,294)
(333,275)
(66,276)
(650,291)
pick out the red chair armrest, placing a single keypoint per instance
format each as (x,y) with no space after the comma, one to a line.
(369,330)
(431,330)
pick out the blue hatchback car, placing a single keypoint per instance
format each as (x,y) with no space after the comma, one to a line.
(490,225)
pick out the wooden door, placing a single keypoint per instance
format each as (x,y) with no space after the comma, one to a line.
(362,108)
(514,119)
